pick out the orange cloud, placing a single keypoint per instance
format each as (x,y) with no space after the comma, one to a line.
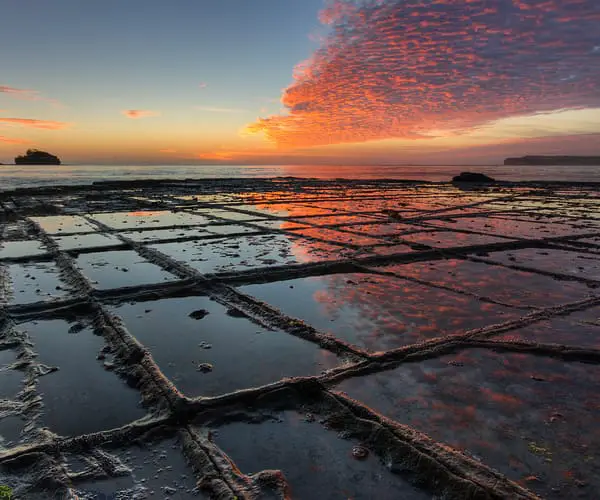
(218,155)
(26,94)
(402,69)
(139,113)
(12,140)
(265,156)
(31,123)
(167,151)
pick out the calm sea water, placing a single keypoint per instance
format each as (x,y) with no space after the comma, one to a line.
(12,176)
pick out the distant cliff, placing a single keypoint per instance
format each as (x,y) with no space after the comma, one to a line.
(36,157)
(553,160)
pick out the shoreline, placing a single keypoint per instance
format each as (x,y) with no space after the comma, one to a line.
(12,178)
(227,183)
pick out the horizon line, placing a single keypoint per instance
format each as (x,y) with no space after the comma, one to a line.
(264,164)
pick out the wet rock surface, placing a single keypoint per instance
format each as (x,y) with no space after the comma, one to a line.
(221,353)
(79,397)
(300,339)
(311,458)
(154,469)
(523,415)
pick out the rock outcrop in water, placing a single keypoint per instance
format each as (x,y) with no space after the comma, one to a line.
(36,157)
(472,177)
(553,160)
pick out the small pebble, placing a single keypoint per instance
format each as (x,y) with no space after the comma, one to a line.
(204,367)
(360,452)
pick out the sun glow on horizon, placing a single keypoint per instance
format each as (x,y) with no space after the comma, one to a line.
(383,81)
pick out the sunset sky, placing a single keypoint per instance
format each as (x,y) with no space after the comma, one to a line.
(299,81)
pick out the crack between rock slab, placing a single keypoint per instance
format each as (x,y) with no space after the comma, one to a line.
(445,458)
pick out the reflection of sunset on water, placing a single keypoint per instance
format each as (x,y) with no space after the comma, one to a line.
(508,410)
(494,282)
(378,313)
(406,297)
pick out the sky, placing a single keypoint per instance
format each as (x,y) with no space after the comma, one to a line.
(299,81)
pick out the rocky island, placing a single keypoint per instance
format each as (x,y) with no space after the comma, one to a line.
(472,177)
(36,157)
(553,160)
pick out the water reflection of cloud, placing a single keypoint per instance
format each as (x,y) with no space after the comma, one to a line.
(489,405)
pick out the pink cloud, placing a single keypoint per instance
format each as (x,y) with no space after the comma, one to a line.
(31,123)
(26,94)
(13,140)
(404,68)
(202,85)
(139,113)
(22,93)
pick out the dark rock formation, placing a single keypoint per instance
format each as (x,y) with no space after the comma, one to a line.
(199,314)
(472,177)
(553,160)
(36,157)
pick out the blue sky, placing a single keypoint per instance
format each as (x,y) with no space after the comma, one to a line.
(80,52)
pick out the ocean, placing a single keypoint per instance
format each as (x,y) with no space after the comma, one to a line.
(12,176)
